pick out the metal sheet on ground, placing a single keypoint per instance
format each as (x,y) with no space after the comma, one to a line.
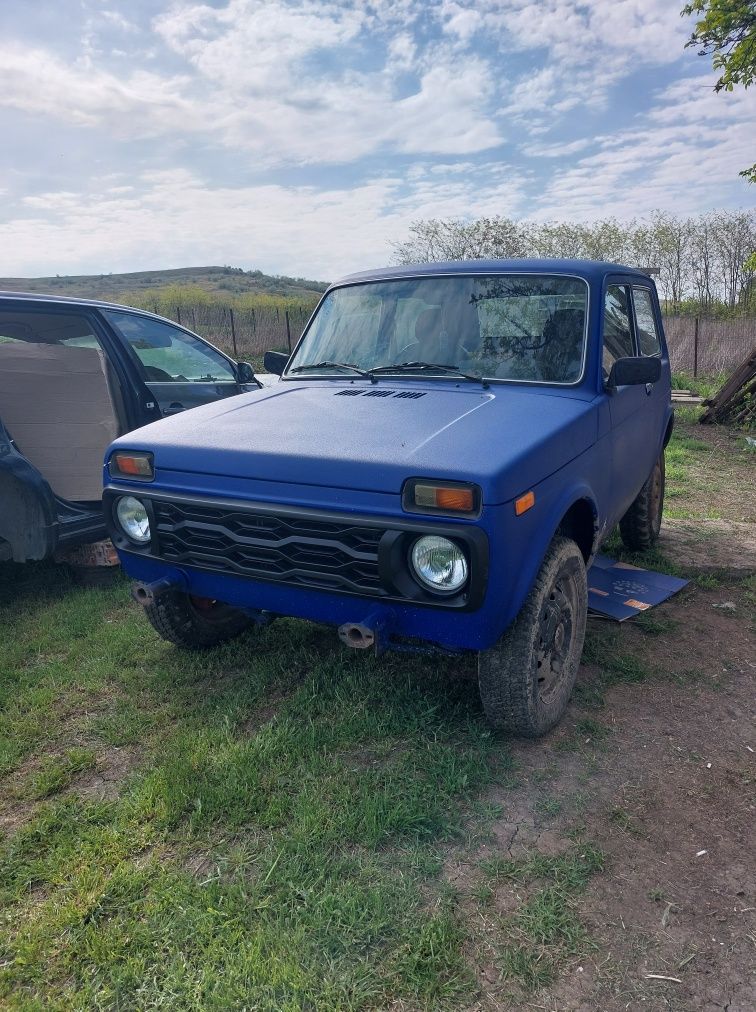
(618,590)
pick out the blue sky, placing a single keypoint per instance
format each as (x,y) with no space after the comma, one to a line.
(303,138)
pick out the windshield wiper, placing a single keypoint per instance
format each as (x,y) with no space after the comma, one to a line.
(440,367)
(334,365)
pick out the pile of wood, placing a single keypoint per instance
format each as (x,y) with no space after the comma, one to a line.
(735,403)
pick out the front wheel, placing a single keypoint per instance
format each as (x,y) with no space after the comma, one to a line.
(526,679)
(195,623)
(640,526)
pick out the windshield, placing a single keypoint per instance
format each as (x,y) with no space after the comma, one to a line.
(520,327)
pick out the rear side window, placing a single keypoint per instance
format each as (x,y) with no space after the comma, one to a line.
(648,334)
(618,334)
(18,326)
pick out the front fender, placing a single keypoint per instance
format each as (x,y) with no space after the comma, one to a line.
(527,537)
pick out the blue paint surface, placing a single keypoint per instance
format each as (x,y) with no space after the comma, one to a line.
(300,444)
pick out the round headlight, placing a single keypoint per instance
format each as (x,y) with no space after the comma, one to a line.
(132,516)
(439,564)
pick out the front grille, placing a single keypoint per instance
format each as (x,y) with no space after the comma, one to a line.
(287,548)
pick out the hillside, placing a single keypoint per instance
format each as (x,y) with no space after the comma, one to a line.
(219,280)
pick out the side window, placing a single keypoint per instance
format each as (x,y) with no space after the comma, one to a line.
(168,354)
(618,334)
(648,335)
(35,327)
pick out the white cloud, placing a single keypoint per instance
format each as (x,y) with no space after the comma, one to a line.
(584,49)
(290,91)
(176,218)
(683,156)
(36,81)
(274,80)
(417,109)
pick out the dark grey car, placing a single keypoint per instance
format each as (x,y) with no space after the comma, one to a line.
(73,375)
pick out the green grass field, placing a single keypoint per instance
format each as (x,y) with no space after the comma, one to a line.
(262,826)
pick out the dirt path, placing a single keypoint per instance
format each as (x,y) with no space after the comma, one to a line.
(660,773)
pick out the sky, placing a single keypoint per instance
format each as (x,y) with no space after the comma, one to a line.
(303,138)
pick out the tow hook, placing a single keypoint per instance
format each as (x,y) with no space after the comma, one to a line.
(147,593)
(364,635)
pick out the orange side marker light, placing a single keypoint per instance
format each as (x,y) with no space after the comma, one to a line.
(524,503)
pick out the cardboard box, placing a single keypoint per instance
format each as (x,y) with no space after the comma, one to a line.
(56,404)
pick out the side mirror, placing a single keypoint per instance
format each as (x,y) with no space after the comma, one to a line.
(275,361)
(634,372)
(245,373)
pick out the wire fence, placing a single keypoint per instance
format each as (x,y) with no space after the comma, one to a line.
(241,332)
(697,345)
(706,347)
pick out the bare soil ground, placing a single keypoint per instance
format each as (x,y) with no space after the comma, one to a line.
(656,765)
(662,777)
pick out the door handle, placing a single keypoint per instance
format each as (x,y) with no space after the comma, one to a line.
(649,388)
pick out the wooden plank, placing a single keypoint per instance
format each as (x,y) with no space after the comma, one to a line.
(739,379)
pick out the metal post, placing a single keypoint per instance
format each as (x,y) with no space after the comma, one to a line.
(288,330)
(178,314)
(695,349)
(233,333)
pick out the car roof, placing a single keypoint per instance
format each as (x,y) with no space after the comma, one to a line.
(590,270)
(68,300)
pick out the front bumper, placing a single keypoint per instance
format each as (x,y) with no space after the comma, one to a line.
(297,561)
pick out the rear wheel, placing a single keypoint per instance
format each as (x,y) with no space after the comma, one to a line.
(641,524)
(526,679)
(195,623)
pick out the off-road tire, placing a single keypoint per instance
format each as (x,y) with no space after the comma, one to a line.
(177,618)
(517,693)
(641,524)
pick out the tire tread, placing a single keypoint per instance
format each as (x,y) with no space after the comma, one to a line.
(172,618)
(504,671)
(638,529)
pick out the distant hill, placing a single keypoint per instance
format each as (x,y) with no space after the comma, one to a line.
(221,280)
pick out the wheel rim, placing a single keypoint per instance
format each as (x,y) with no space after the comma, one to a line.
(556,633)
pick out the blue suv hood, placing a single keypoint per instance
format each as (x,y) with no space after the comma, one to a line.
(373,437)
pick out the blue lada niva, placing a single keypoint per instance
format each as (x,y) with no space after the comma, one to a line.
(446,449)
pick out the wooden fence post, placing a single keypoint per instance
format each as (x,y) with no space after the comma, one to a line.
(288,330)
(695,349)
(178,314)
(233,332)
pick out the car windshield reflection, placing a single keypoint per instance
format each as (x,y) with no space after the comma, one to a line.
(526,328)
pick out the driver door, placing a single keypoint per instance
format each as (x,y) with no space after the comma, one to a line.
(180,370)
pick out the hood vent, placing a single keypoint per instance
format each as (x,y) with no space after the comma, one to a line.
(408,395)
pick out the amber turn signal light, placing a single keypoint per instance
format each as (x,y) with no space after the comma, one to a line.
(524,503)
(449,498)
(132,465)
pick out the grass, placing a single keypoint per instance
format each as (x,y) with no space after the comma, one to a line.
(274,830)
(546,928)
(279,858)
(703,386)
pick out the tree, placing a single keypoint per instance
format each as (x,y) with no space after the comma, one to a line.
(706,263)
(726,31)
